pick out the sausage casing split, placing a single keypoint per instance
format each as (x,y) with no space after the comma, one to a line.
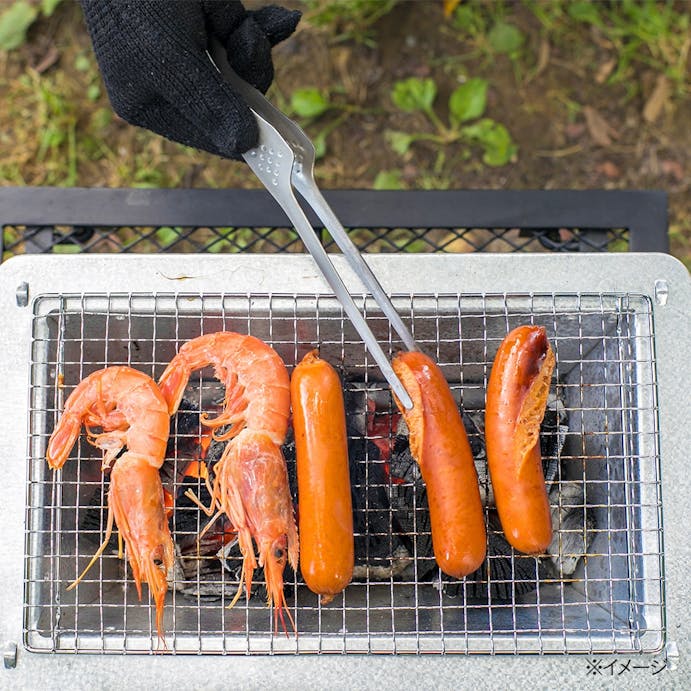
(516,401)
(325,509)
(439,444)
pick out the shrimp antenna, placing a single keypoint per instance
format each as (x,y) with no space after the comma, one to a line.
(99,552)
(279,609)
(239,590)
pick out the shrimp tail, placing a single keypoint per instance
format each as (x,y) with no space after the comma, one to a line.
(173,382)
(63,439)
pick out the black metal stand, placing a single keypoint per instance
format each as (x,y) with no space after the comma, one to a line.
(88,220)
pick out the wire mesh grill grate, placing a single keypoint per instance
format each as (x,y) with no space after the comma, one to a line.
(599,589)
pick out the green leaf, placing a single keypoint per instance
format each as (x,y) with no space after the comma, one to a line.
(505,38)
(309,103)
(388,180)
(101,118)
(415,246)
(14,23)
(495,140)
(319,145)
(51,138)
(167,236)
(585,12)
(48,6)
(414,94)
(219,246)
(469,18)
(66,248)
(93,92)
(479,130)
(399,141)
(82,63)
(468,101)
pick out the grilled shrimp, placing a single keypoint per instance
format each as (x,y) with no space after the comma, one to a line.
(129,409)
(251,479)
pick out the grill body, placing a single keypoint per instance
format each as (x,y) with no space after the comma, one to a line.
(614,337)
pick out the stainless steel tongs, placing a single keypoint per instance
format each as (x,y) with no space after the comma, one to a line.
(284,160)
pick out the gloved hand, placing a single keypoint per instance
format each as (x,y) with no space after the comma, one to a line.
(158,76)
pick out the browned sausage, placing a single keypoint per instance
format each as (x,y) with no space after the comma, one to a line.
(439,444)
(325,510)
(516,402)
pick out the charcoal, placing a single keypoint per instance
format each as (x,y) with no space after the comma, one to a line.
(200,577)
(94,518)
(390,513)
(183,443)
(288,449)
(475,429)
(408,496)
(553,430)
(574,528)
(504,575)
(186,420)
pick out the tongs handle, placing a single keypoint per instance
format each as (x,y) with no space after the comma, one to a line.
(303,180)
(313,196)
(273,161)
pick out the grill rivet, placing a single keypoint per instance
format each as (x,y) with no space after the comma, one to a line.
(23,294)
(661,291)
(10,655)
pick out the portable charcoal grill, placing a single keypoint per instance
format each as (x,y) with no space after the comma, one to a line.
(618,325)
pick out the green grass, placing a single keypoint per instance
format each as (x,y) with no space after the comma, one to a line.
(639,33)
(348,20)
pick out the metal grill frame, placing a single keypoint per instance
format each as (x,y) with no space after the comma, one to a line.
(598,216)
(663,280)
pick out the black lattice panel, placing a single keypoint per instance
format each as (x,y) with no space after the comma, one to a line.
(72,221)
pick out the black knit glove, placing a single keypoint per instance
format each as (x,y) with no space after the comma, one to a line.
(158,76)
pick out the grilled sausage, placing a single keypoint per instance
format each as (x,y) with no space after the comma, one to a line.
(325,510)
(439,444)
(516,401)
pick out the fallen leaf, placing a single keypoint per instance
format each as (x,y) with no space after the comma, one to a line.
(566,235)
(605,70)
(450,6)
(600,130)
(673,169)
(48,60)
(542,61)
(609,170)
(573,130)
(560,153)
(657,100)
(410,172)
(341,61)
(600,39)
(455,245)
(542,57)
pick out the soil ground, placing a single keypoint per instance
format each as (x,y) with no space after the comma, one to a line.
(573,127)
